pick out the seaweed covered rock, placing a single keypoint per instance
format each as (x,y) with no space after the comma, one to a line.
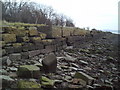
(29,71)
(46,82)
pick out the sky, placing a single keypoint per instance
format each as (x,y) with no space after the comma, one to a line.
(99,14)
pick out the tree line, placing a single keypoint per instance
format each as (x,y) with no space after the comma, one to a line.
(30,12)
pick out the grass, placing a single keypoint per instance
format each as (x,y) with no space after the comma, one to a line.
(19,24)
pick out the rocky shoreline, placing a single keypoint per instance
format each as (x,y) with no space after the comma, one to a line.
(91,65)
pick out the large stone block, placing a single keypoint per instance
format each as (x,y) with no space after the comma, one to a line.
(15,56)
(9,50)
(22,84)
(33,31)
(29,71)
(50,48)
(35,39)
(17,47)
(42,35)
(18,31)
(28,47)
(25,55)
(34,53)
(38,46)
(48,41)
(8,38)
(23,39)
(50,63)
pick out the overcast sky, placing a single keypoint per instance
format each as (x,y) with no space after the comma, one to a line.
(99,14)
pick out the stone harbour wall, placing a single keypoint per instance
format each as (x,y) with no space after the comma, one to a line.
(26,42)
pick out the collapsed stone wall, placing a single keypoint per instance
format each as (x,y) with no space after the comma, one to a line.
(26,42)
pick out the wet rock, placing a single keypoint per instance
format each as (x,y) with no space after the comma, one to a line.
(50,63)
(3,72)
(76,87)
(74,65)
(70,58)
(83,62)
(13,69)
(81,75)
(22,84)
(47,82)
(6,61)
(29,71)
(79,82)
(104,87)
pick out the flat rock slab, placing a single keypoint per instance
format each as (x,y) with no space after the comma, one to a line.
(50,63)
(15,56)
(81,75)
(29,71)
(28,84)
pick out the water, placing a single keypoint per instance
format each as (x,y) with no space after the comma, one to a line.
(113,31)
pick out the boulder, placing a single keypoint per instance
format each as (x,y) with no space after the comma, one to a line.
(84,77)
(50,63)
(8,38)
(22,84)
(29,71)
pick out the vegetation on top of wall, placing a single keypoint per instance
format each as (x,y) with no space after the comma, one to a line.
(20,25)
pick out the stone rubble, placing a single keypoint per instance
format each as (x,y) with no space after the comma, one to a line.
(88,67)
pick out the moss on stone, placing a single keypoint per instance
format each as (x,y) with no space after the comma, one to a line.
(9,38)
(2,43)
(36,39)
(25,39)
(33,31)
(47,82)
(28,71)
(42,35)
(17,44)
(28,84)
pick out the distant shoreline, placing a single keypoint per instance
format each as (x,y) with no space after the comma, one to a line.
(112,31)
